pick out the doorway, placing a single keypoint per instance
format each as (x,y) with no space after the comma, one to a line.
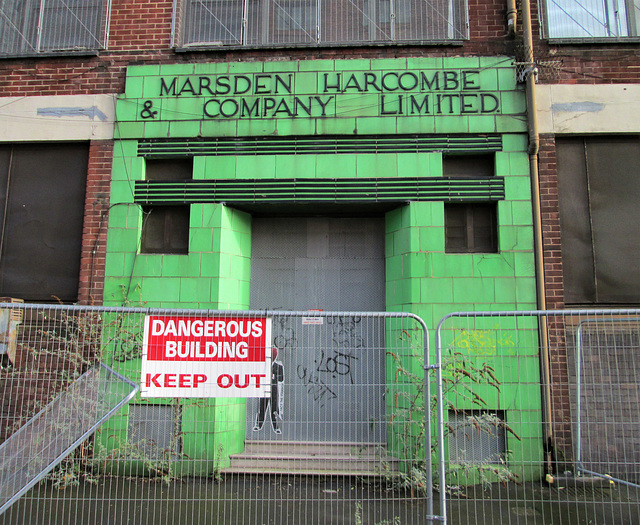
(329,371)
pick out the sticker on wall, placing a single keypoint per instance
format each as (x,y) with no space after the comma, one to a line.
(275,402)
(206,357)
(313,319)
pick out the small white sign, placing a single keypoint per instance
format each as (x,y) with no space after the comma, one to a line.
(313,320)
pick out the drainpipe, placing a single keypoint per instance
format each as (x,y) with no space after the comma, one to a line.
(529,74)
(512,18)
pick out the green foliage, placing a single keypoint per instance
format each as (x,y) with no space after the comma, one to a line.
(217,476)
(154,462)
(461,378)
(124,332)
(69,343)
(66,474)
(73,469)
(358,520)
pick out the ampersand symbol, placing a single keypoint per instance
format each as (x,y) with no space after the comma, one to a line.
(146,112)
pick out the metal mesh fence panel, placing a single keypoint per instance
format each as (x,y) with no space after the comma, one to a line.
(54,432)
(542,416)
(336,434)
(607,396)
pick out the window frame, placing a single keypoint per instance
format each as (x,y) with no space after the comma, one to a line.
(35,34)
(255,19)
(168,222)
(631,29)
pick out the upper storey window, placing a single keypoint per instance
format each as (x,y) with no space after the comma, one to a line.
(32,27)
(209,23)
(589,19)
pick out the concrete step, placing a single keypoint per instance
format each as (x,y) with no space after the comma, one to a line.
(312,458)
(311,448)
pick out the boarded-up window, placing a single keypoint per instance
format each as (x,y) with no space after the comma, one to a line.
(165,229)
(42,194)
(599,192)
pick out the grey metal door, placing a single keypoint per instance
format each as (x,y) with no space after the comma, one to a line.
(332,369)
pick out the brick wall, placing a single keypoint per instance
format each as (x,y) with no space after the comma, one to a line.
(140,25)
(550,216)
(94,233)
(584,63)
(140,32)
(554,291)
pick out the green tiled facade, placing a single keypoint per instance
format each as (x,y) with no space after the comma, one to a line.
(169,102)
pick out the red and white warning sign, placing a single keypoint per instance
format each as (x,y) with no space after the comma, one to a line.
(206,357)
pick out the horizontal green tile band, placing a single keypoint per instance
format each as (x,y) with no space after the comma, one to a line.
(449,189)
(305,145)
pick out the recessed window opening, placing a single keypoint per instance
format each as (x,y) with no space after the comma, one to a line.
(468,165)
(165,229)
(471,228)
(42,198)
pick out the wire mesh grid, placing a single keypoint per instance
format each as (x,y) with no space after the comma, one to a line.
(312,22)
(54,432)
(542,416)
(338,436)
(544,66)
(41,26)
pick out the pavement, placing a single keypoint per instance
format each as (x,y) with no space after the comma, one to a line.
(288,499)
